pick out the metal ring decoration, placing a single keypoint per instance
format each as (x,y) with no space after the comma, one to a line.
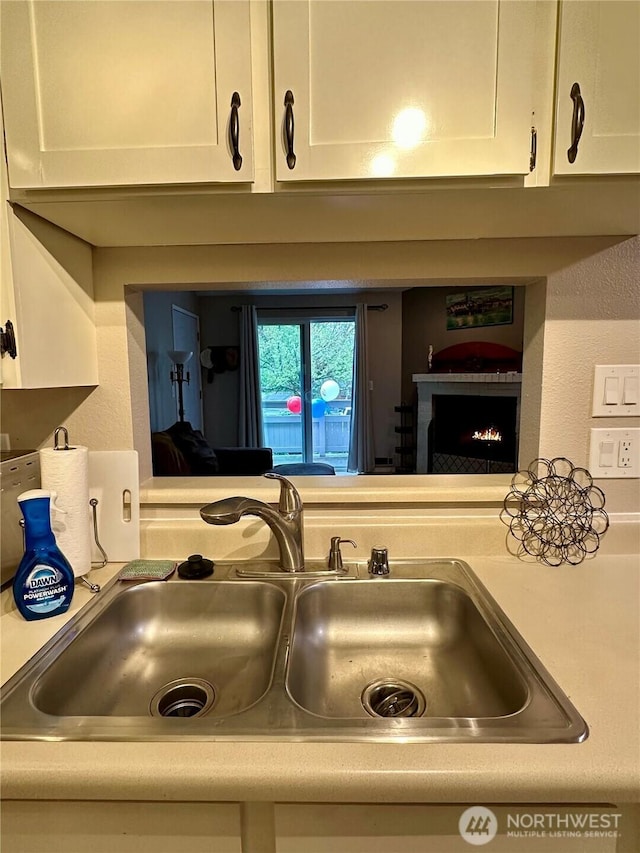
(555,512)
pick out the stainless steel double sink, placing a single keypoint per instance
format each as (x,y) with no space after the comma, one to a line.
(425,654)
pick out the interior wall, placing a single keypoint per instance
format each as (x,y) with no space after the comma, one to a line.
(532,371)
(424,324)
(115,415)
(385,365)
(592,317)
(158,323)
(592,282)
(220,398)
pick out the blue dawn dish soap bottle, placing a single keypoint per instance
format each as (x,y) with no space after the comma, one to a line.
(44,582)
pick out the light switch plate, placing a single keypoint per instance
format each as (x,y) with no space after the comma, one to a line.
(614,453)
(612,387)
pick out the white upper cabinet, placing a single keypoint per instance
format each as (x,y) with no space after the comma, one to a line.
(46,298)
(46,301)
(122,92)
(395,89)
(598,88)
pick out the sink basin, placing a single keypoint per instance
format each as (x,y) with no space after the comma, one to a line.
(169,650)
(353,642)
(423,655)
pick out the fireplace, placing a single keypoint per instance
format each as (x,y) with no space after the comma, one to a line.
(454,406)
(473,434)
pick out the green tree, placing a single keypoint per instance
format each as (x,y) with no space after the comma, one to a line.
(331,357)
(279,359)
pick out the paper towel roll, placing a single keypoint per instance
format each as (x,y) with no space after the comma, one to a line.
(67,473)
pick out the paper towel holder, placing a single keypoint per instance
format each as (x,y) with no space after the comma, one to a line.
(93,502)
(56,438)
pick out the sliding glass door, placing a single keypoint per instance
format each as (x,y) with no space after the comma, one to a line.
(306,380)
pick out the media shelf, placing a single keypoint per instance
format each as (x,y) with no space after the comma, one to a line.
(406,450)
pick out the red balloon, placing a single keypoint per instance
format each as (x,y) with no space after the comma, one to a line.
(294,404)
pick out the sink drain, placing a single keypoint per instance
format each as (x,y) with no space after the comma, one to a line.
(393,698)
(185,697)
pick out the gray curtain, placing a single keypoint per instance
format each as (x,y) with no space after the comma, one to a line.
(250,409)
(361,450)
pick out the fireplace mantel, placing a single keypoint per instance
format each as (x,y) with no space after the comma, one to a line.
(484,378)
(491,384)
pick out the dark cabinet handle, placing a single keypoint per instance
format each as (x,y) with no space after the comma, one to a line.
(234,131)
(8,340)
(577,122)
(289,128)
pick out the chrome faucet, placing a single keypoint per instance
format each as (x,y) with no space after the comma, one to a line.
(284,519)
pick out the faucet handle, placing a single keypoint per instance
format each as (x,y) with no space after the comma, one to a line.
(290,500)
(379,562)
(335,555)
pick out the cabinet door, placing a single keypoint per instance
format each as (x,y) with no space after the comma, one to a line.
(599,50)
(121,92)
(394,89)
(98,826)
(48,300)
(46,295)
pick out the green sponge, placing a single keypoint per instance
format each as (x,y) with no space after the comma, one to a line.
(152,570)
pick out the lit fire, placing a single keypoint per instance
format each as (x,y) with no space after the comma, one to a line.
(489,434)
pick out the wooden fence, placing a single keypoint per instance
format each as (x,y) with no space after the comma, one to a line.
(283,434)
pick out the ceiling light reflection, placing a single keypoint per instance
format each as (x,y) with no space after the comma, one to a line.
(382,166)
(409,127)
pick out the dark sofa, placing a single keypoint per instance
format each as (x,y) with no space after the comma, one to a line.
(183,451)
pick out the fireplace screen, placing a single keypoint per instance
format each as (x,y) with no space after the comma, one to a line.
(473,434)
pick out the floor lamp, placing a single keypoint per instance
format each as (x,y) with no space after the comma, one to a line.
(180,358)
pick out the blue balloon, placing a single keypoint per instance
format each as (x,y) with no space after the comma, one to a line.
(318,407)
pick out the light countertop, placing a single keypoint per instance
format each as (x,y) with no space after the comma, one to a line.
(582,622)
(383,490)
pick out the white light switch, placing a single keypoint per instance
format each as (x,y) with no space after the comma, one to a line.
(630,391)
(611,384)
(606,453)
(616,390)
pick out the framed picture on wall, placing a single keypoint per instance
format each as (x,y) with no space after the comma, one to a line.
(490,306)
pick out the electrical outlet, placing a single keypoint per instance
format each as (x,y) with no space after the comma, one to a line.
(614,453)
(624,453)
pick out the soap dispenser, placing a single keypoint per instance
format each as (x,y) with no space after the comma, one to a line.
(44,582)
